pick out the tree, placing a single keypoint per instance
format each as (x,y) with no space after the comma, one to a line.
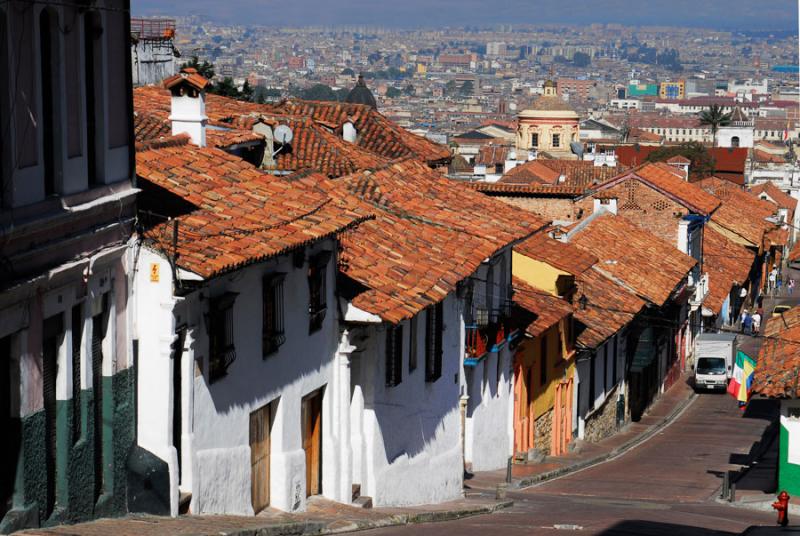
(205,68)
(347,71)
(715,118)
(393,92)
(450,87)
(702,164)
(319,92)
(581,59)
(247,91)
(467,88)
(226,88)
(409,90)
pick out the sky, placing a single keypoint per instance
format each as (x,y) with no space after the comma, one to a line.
(723,14)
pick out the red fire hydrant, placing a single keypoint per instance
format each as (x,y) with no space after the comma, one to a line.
(782,506)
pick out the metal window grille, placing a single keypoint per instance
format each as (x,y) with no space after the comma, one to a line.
(223,351)
(433,342)
(272,327)
(394,355)
(317,288)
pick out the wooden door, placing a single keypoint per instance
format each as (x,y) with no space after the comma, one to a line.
(312,442)
(259,458)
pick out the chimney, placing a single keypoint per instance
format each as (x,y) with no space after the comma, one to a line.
(188,113)
(349,132)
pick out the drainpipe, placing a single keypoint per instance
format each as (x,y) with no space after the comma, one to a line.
(463,411)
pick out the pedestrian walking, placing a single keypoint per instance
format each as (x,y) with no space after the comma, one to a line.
(790,286)
(748,323)
(756,323)
(779,283)
(773,276)
(742,319)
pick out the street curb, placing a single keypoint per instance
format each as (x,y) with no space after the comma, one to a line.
(633,442)
(759,506)
(311,528)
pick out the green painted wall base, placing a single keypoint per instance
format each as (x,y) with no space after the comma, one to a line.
(788,473)
(75,474)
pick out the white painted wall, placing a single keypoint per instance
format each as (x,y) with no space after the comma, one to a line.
(216,453)
(406,441)
(792,426)
(489,428)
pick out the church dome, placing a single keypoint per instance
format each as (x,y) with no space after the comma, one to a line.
(361,94)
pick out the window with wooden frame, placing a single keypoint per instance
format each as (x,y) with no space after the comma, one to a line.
(434,327)
(317,289)
(272,330)
(394,355)
(543,359)
(222,352)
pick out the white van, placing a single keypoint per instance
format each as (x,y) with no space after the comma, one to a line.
(713,362)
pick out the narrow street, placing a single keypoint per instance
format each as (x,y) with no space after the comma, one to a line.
(667,485)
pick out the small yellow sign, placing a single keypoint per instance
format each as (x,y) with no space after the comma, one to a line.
(155,272)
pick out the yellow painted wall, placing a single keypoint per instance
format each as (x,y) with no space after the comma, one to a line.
(560,366)
(536,273)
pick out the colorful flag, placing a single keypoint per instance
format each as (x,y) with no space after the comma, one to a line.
(742,380)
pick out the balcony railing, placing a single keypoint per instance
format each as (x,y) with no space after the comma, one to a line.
(480,340)
(152,28)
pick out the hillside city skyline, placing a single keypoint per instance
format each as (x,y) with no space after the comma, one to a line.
(777,15)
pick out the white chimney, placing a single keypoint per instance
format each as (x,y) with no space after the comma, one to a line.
(188,113)
(349,132)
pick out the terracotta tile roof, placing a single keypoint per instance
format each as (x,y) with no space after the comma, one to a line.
(313,148)
(767,158)
(740,212)
(794,254)
(637,134)
(777,374)
(188,75)
(727,263)
(581,172)
(561,255)
(650,266)
(425,238)
(609,307)
(413,188)
(242,215)
(549,309)
(491,155)
(678,159)
(664,179)
(531,172)
(222,138)
(375,132)
(534,190)
(776,237)
(149,127)
(778,196)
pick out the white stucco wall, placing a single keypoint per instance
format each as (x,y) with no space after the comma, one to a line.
(216,416)
(489,426)
(407,447)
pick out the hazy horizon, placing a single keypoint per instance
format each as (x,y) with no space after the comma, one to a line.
(776,15)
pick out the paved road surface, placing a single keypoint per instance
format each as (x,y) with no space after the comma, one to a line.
(665,486)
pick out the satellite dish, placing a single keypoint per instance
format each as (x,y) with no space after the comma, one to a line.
(577,148)
(283,134)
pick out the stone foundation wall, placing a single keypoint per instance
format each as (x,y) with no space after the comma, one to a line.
(543,428)
(602,423)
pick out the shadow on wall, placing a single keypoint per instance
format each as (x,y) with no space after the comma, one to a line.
(654,528)
(408,430)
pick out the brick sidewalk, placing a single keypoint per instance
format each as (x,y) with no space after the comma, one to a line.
(662,412)
(322,517)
